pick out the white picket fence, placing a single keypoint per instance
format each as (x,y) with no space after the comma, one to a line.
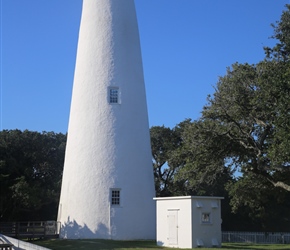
(256,237)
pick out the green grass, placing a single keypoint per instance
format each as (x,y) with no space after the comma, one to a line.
(141,245)
(96,244)
(255,246)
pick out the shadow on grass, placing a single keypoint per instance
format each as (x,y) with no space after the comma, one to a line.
(95,244)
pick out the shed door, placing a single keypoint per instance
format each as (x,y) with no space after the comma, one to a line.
(172,220)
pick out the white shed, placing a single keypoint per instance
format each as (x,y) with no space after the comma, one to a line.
(188,221)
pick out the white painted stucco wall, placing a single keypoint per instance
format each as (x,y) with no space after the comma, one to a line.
(209,233)
(108,145)
(190,230)
(184,231)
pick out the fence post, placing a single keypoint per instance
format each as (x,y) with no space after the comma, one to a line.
(17,230)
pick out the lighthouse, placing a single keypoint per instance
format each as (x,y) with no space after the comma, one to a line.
(108,186)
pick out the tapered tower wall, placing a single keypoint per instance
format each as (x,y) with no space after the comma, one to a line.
(108,145)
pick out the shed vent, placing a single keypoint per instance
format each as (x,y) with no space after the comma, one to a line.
(214,204)
(199,242)
(198,204)
(214,242)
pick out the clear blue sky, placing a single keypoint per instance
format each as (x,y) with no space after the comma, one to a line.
(186,45)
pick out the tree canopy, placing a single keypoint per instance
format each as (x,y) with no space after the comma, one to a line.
(250,110)
(31,165)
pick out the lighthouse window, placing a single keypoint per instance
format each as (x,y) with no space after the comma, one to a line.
(114,95)
(115,196)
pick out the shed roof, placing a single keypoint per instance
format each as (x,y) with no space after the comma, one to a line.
(189,197)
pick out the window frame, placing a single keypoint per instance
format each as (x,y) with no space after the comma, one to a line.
(115,200)
(114,95)
(205,221)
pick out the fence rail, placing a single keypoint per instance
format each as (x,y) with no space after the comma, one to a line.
(256,237)
(29,229)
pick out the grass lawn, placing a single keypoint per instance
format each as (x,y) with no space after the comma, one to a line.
(141,245)
(254,247)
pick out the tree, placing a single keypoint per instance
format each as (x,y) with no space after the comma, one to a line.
(203,171)
(31,166)
(183,165)
(164,144)
(251,111)
(263,207)
(281,51)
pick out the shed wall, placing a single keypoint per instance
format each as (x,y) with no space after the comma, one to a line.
(183,209)
(208,233)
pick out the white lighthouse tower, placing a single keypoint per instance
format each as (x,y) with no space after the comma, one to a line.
(108,187)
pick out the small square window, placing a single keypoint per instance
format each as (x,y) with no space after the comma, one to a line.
(205,218)
(114,95)
(115,197)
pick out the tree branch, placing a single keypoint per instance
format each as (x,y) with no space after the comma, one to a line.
(280,184)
